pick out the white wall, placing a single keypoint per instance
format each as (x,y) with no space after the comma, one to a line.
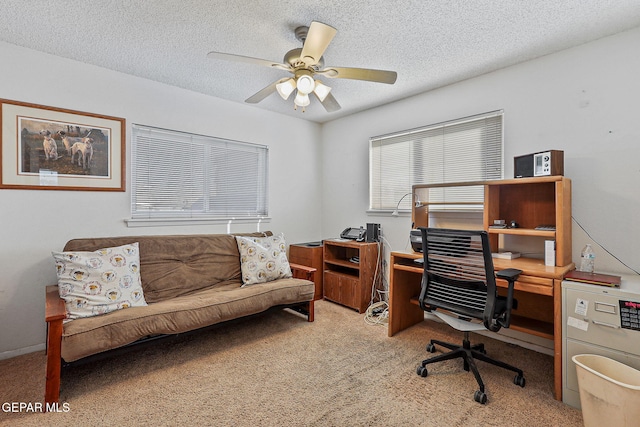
(582,100)
(35,222)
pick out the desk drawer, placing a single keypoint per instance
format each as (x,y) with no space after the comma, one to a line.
(532,284)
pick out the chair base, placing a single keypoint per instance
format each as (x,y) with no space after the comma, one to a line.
(468,354)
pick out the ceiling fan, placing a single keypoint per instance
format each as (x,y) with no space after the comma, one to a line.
(306,63)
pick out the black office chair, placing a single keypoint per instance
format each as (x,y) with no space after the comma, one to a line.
(459,287)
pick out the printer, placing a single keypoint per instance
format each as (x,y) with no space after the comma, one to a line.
(415,237)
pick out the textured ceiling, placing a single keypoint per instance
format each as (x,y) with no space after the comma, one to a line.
(430,43)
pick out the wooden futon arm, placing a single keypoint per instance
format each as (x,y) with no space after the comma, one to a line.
(303,272)
(307,273)
(54,314)
(54,305)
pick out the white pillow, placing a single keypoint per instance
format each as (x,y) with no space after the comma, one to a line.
(93,283)
(263,259)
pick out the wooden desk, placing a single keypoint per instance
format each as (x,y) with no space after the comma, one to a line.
(538,291)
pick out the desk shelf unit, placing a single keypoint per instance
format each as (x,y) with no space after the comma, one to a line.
(531,202)
(345,281)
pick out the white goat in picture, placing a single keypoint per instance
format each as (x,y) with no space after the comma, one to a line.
(49,145)
(84,150)
(68,141)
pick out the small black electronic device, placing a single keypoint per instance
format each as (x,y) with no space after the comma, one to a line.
(352,233)
(373,232)
(416,240)
(461,244)
(546,163)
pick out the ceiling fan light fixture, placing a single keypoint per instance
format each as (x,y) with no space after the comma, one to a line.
(305,84)
(286,88)
(321,90)
(304,63)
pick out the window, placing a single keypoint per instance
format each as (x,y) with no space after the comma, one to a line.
(178,175)
(468,149)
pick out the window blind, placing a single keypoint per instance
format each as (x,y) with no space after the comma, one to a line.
(182,175)
(468,149)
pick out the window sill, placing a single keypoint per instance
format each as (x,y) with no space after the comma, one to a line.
(165,222)
(387,212)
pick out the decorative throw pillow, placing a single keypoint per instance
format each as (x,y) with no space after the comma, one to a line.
(263,259)
(93,283)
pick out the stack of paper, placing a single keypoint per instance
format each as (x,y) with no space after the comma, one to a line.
(506,255)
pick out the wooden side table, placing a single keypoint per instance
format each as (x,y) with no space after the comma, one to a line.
(349,272)
(310,255)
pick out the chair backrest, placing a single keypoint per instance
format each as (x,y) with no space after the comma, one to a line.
(458,274)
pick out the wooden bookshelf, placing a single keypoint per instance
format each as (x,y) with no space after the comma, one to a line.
(349,272)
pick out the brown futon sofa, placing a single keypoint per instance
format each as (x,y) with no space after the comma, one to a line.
(189,282)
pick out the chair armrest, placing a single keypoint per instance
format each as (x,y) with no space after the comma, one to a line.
(303,272)
(510,275)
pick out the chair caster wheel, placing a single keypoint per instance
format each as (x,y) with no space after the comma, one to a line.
(519,380)
(431,348)
(480,397)
(422,371)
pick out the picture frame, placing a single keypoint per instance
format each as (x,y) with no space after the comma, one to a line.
(49,148)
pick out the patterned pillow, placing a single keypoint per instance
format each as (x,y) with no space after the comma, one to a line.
(263,259)
(93,283)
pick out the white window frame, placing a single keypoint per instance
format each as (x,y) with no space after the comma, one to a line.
(461,150)
(180,177)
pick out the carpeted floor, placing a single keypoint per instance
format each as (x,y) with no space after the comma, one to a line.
(276,369)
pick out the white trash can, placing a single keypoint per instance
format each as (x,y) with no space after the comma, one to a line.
(609,391)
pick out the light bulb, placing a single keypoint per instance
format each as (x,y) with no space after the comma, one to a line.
(302,99)
(285,88)
(321,90)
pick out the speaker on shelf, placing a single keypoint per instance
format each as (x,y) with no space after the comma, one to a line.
(546,163)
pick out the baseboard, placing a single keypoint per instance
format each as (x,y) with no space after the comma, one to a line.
(528,341)
(21,351)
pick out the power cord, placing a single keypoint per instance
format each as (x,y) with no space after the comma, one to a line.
(605,249)
(377,313)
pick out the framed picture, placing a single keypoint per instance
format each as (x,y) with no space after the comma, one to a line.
(48,148)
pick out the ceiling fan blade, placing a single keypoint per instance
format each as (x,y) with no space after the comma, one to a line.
(330,104)
(247,59)
(318,38)
(263,93)
(378,76)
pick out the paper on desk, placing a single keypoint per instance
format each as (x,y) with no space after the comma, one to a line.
(577,323)
(581,306)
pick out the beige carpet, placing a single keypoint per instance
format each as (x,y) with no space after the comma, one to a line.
(276,369)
